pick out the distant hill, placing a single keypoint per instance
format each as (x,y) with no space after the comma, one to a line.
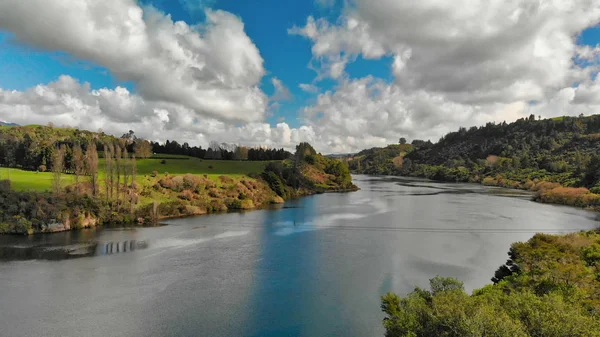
(8,124)
(564,151)
(340,155)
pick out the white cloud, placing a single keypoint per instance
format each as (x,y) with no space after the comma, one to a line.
(454,64)
(66,102)
(214,69)
(281,91)
(471,46)
(310,88)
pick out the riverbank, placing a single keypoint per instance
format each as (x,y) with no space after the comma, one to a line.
(545,191)
(149,198)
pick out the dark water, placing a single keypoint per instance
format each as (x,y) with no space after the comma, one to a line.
(314,268)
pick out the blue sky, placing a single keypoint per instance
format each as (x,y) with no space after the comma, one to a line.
(368,105)
(266,22)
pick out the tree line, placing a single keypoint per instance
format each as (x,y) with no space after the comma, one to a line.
(220,151)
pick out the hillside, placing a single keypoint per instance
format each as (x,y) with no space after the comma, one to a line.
(58,179)
(563,153)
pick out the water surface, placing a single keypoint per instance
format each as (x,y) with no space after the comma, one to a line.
(315,267)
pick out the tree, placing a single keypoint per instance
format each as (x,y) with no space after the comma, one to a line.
(133,170)
(592,172)
(126,169)
(241,153)
(78,164)
(91,166)
(214,149)
(402,140)
(142,148)
(117,171)
(303,150)
(108,172)
(58,162)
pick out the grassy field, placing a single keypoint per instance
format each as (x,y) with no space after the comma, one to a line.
(28,180)
(199,166)
(42,181)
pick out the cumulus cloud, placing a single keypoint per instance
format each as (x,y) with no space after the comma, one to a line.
(310,88)
(67,102)
(213,69)
(454,64)
(282,93)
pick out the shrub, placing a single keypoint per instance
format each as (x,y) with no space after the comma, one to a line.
(42,168)
(213,193)
(191,181)
(178,184)
(186,195)
(154,173)
(233,203)
(489,181)
(166,182)
(210,167)
(163,161)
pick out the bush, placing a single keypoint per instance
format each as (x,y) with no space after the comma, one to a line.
(154,173)
(489,181)
(274,182)
(186,195)
(163,161)
(42,168)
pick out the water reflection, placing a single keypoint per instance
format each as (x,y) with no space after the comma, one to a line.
(120,247)
(315,267)
(63,246)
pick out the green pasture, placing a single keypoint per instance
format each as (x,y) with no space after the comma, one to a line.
(174,165)
(28,180)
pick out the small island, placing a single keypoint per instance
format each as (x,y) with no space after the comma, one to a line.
(56,179)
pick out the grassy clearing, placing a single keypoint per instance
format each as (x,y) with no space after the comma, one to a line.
(200,167)
(42,181)
(28,180)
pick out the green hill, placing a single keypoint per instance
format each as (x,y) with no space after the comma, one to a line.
(78,178)
(559,158)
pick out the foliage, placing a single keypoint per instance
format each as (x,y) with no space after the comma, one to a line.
(563,151)
(87,187)
(549,287)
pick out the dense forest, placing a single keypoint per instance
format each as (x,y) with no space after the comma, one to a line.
(559,158)
(549,287)
(95,179)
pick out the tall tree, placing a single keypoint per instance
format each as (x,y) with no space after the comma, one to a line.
(133,170)
(108,163)
(91,163)
(142,148)
(126,169)
(58,165)
(78,165)
(117,171)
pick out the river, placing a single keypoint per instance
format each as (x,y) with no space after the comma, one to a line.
(314,267)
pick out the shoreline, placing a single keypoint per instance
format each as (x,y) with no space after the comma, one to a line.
(159,222)
(536,194)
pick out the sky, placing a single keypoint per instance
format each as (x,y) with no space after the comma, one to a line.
(343,75)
